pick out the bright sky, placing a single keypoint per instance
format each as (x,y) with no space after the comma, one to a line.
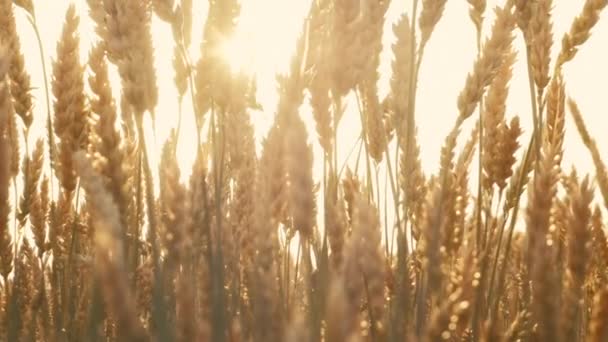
(265,40)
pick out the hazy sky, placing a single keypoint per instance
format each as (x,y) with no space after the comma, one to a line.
(266,38)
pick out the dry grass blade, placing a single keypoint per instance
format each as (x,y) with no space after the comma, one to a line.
(6,110)
(432,10)
(580,30)
(601,173)
(598,327)
(19,77)
(110,262)
(492,57)
(540,35)
(70,122)
(477,8)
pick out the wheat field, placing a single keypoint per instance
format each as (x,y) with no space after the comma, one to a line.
(302,236)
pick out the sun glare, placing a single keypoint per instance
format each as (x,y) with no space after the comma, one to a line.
(238,52)
(261,47)
(263,41)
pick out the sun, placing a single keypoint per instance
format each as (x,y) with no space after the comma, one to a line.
(239,52)
(261,46)
(263,41)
